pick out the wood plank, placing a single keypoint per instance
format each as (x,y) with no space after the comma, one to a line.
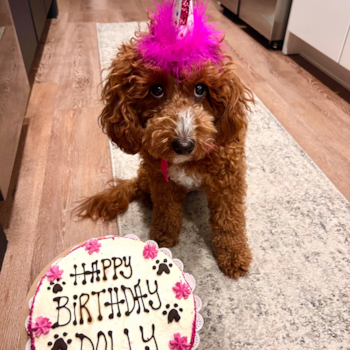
(47,66)
(81,73)
(63,6)
(75,168)
(107,11)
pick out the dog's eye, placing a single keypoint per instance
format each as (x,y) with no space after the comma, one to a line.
(200,90)
(157,91)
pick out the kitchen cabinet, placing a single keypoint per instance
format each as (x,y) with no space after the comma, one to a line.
(25,29)
(345,56)
(232,5)
(318,30)
(268,17)
(21,26)
(323,24)
(29,17)
(39,16)
(14,94)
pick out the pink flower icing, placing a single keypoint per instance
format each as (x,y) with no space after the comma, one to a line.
(93,246)
(150,251)
(179,343)
(182,290)
(54,273)
(41,325)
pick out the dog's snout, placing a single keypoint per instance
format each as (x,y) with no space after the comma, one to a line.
(183,147)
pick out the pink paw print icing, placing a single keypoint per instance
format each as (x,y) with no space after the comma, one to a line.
(150,251)
(54,273)
(179,343)
(42,325)
(93,246)
(182,290)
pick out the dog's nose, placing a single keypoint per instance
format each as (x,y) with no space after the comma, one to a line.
(183,147)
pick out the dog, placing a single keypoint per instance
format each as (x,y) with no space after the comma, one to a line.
(189,131)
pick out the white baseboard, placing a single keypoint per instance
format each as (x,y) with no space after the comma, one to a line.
(319,60)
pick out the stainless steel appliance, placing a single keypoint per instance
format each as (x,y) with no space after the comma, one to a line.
(268,17)
(232,5)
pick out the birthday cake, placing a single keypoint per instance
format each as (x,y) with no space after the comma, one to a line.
(115,293)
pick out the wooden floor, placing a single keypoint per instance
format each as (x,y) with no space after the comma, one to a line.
(64,156)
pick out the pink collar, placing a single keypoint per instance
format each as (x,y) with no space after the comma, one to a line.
(164,165)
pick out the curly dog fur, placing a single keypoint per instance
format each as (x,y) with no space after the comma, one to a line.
(140,123)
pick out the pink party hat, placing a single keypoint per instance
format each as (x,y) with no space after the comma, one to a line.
(180,38)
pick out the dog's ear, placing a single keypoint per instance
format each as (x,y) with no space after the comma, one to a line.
(234,99)
(119,118)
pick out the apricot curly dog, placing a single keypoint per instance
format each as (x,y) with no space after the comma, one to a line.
(196,126)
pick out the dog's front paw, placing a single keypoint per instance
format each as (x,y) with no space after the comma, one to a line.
(234,264)
(146,200)
(167,240)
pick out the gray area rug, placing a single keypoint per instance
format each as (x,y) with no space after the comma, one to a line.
(297,295)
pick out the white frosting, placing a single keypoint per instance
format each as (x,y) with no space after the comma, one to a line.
(30,302)
(142,270)
(26,323)
(167,252)
(198,302)
(196,342)
(190,280)
(179,264)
